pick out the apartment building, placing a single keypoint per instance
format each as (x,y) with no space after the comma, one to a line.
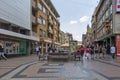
(107,20)
(47,24)
(62,37)
(68,37)
(15,26)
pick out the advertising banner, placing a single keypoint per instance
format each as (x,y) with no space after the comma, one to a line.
(118,6)
(118,45)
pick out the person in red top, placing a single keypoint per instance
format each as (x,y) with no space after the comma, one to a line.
(88,53)
(81,51)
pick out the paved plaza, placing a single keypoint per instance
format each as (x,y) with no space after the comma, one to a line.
(29,68)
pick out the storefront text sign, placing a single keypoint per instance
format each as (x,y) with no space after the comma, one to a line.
(118,45)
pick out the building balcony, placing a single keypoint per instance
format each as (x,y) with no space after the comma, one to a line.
(34,34)
(39,6)
(50,21)
(33,4)
(51,31)
(39,21)
(34,19)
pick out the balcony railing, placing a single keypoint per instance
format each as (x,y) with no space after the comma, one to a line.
(33,19)
(34,34)
(39,21)
(39,6)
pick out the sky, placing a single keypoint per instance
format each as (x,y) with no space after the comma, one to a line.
(75,15)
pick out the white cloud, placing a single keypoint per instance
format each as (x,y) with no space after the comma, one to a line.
(76,37)
(73,22)
(84,19)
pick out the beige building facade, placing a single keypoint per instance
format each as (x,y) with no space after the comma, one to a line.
(45,24)
(106,22)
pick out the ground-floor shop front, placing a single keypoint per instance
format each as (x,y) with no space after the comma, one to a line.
(46,44)
(13,45)
(113,40)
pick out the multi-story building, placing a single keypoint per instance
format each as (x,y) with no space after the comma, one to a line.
(88,39)
(83,39)
(47,27)
(62,37)
(68,37)
(15,26)
(107,21)
(93,28)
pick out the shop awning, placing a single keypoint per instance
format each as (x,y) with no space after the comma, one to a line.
(65,45)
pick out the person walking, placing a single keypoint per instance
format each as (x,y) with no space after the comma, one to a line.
(2,52)
(92,52)
(104,51)
(81,52)
(100,51)
(38,52)
(88,53)
(96,52)
(113,50)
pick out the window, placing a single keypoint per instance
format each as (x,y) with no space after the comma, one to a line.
(107,13)
(55,31)
(40,20)
(44,10)
(40,6)
(55,22)
(111,25)
(111,9)
(42,33)
(44,22)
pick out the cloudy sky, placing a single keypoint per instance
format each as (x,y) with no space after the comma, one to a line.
(75,15)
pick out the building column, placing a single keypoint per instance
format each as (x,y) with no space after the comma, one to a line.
(46,47)
(42,47)
(28,47)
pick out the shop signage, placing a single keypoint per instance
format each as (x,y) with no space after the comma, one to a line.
(118,6)
(118,45)
(42,39)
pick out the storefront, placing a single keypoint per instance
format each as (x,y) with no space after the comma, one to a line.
(13,45)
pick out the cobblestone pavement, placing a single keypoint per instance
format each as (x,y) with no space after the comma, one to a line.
(29,68)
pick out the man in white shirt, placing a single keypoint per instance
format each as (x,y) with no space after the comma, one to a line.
(113,50)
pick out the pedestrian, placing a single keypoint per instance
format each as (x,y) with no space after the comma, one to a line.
(103,51)
(92,52)
(113,50)
(38,52)
(88,53)
(96,52)
(100,51)
(81,52)
(2,52)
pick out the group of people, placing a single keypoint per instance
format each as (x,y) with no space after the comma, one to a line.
(92,52)
(83,52)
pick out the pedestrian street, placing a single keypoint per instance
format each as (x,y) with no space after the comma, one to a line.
(62,70)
